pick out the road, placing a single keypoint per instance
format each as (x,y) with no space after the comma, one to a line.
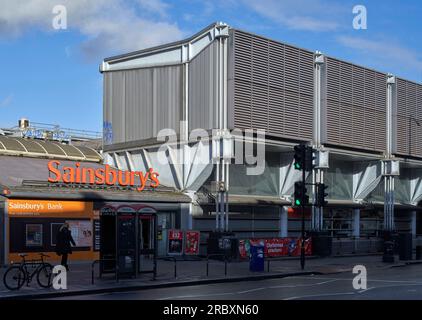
(392,283)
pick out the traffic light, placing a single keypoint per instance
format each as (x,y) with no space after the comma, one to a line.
(299,156)
(304,157)
(300,196)
(309,158)
(320,195)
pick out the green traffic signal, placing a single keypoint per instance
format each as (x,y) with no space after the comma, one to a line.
(300,196)
(297,166)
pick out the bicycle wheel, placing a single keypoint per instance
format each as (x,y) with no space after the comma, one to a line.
(14,278)
(45,276)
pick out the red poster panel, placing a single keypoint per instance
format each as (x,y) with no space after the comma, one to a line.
(192,242)
(297,244)
(275,247)
(244,246)
(175,242)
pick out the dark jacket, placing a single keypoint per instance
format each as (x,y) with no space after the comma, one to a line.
(64,239)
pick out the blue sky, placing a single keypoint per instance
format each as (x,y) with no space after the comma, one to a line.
(52,76)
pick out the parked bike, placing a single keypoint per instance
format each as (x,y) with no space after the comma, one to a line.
(19,274)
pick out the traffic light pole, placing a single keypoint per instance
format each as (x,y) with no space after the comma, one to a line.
(304,161)
(302,247)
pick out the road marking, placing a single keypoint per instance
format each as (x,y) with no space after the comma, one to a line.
(374,280)
(252,290)
(364,290)
(198,296)
(321,295)
(248,291)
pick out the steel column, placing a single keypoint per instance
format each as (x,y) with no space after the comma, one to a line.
(317,174)
(388,179)
(413,222)
(283,213)
(356,223)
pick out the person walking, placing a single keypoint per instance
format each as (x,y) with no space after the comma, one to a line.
(63,244)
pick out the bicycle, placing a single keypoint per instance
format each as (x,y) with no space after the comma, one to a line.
(17,274)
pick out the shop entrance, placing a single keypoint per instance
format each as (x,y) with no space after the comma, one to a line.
(128,240)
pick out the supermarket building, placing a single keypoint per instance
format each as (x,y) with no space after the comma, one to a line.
(41,188)
(227,81)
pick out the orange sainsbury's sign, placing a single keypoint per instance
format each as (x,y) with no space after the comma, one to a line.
(101,176)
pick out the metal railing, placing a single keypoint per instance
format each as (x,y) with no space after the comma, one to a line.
(217,255)
(174,261)
(103,260)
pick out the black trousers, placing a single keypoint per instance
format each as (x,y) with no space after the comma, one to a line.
(64,261)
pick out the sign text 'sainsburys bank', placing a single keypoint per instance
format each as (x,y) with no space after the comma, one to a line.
(101,176)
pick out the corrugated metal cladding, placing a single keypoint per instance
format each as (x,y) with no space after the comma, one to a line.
(273,87)
(409,118)
(356,106)
(141,102)
(203,89)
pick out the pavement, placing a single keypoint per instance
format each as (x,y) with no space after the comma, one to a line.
(382,284)
(193,273)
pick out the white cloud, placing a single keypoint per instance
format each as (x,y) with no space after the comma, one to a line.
(155,6)
(6,101)
(306,15)
(108,25)
(390,54)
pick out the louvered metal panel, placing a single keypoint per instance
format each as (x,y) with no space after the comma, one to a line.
(276,110)
(356,106)
(168,98)
(273,87)
(260,107)
(140,102)
(409,118)
(203,94)
(243,107)
(107,95)
(118,106)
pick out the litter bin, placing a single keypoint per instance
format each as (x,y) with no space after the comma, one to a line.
(256,262)
(405,246)
(388,255)
(322,243)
